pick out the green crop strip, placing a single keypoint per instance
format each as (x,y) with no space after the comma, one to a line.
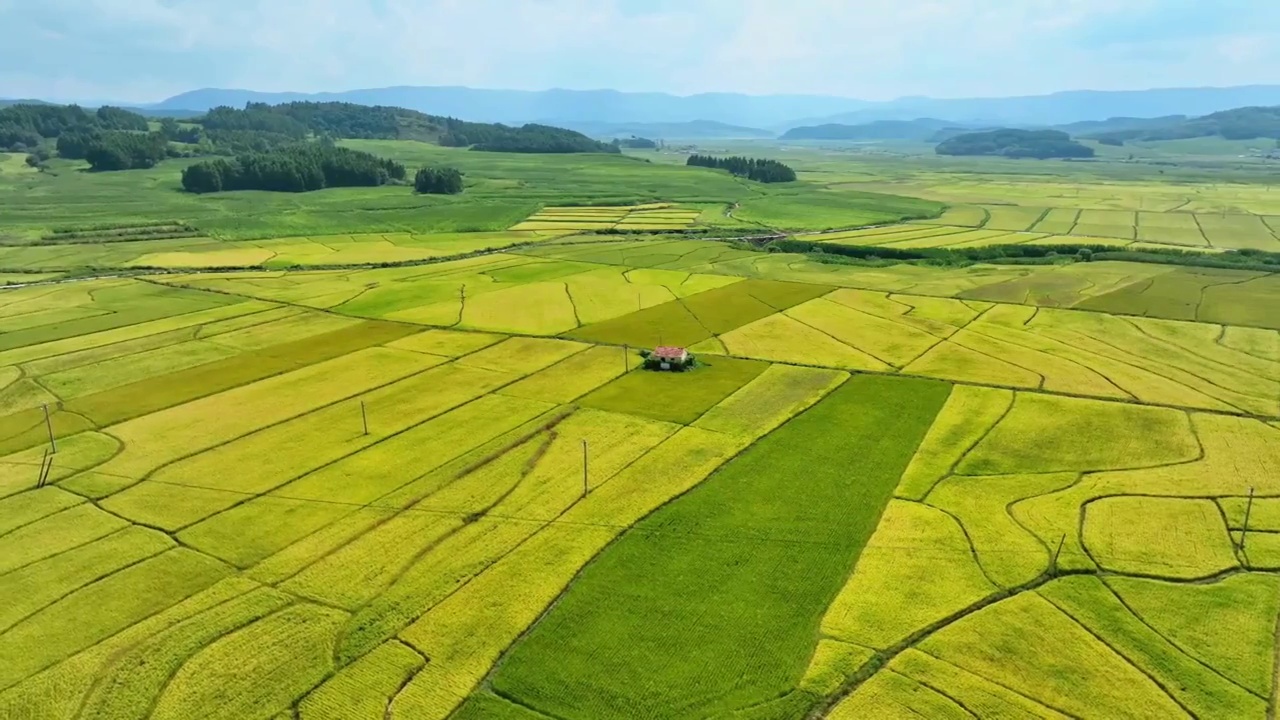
(712,603)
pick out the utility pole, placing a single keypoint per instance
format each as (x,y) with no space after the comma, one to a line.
(48,423)
(585,487)
(1248,510)
(1054,565)
(364,418)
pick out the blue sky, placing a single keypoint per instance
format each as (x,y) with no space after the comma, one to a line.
(146,50)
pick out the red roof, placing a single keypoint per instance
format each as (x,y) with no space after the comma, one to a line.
(669,352)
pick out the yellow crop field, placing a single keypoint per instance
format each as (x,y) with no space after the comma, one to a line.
(573,377)
(291,652)
(40,584)
(1187,614)
(965,215)
(950,361)
(523,356)
(778,394)
(1009,554)
(446,343)
(893,343)
(1059,221)
(1160,537)
(655,216)
(366,687)
(153,440)
(537,309)
(1013,218)
(946,578)
(968,416)
(780,338)
(980,695)
(890,694)
(1155,436)
(1010,642)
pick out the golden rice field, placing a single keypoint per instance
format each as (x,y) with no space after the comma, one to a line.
(1133,214)
(447,491)
(978,226)
(653,217)
(283,252)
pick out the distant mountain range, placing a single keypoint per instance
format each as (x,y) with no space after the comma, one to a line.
(920,129)
(552,107)
(610,113)
(771,112)
(693,130)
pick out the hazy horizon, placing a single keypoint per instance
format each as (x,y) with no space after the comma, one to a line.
(143,51)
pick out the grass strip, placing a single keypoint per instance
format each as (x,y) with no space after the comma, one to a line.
(713,602)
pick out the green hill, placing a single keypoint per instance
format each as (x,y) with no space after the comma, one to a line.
(1246,123)
(1012,143)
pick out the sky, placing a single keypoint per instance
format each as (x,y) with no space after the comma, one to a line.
(146,50)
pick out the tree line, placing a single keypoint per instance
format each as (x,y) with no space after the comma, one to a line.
(112,138)
(757,169)
(438,181)
(24,126)
(301,167)
(348,120)
(1010,143)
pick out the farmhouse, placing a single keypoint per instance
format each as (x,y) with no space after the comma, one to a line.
(668,358)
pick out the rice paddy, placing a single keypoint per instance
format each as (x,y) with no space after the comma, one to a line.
(653,217)
(402,474)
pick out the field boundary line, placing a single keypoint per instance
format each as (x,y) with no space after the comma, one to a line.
(883,657)
(330,463)
(1208,241)
(542,523)
(1181,650)
(955,340)
(155,700)
(1120,655)
(569,296)
(1054,355)
(425,550)
(1017,388)
(1127,358)
(951,469)
(925,683)
(124,651)
(838,340)
(968,539)
(1275,673)
(1204,289)
(82,585)
(993,681)
(1192,351)
(1165,367)
(146,477)
(387,712)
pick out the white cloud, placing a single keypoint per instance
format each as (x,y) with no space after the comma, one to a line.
(141,49)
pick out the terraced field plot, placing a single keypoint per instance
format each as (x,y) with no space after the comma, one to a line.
(956,237)
(1183,225)
(652,217)
(446,490)
(184,251)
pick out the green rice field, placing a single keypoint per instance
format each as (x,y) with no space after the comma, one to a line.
(384,465)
